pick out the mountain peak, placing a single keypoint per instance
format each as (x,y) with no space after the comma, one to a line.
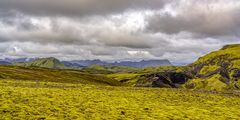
(230,46)
(49,62)
(53,59)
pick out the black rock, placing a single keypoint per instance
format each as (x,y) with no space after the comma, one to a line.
(165,79)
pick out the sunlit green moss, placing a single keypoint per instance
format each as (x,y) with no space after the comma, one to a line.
(215,83)
(195,84)
(208,69)
(212,83)
(236,64)
(128,79)
(161,69)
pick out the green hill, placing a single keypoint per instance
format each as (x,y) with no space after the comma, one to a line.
(217,70)
(50,62)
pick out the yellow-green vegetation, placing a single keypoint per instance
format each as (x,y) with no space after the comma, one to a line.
(209,69)
(122,76)
(212,83)
(128,79)
(236,64)
(216,83)
(46,100)
(161,69)
(108,69)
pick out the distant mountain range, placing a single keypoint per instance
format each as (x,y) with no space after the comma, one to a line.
(144,63)
(83,63)
(18,60)
(3,62)
(140,64)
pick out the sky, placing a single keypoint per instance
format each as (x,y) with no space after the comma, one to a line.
(178,30)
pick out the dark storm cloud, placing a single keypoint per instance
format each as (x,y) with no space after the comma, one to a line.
(67,31)
(77,7)
(17,20)
(210,18)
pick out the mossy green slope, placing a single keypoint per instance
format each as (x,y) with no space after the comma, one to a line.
(228,54)
(54,75)
(50,62)
(219,69)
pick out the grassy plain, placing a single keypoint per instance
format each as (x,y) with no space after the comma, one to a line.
(49,100)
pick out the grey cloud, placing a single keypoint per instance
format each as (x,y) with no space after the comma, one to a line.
(77,7)
(21,29)
(48,28)
(101,50)
(3,39)
(208,18)
(125,40)
(42,37)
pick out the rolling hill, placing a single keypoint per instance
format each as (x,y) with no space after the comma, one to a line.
(53,75)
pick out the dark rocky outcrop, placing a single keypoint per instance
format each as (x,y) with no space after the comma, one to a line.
(164,79)
(236,74)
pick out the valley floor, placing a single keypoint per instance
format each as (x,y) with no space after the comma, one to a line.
(42,100)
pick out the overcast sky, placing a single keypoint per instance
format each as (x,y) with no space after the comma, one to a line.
(178,30)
